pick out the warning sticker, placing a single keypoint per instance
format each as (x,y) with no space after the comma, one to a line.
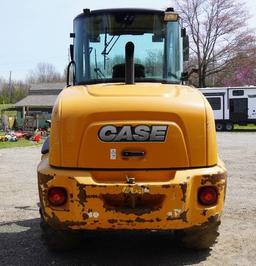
(112,154)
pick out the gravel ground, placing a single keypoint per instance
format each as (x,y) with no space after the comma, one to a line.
(20,242)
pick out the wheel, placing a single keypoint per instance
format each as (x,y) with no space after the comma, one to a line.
(219,126)
(202,237)
(229,126)
(59,240)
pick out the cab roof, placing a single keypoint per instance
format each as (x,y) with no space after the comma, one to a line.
(88,12)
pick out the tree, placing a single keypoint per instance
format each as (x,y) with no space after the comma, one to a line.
(11,93)
(153,62)
(44,73)
(241,69)
(216,29)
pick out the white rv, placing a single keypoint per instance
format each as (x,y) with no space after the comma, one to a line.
(232,105)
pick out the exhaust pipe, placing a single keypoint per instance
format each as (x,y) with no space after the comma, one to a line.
(129,63)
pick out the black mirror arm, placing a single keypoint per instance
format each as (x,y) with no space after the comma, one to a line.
(71,63)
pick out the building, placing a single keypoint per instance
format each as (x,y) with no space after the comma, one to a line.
(37,106)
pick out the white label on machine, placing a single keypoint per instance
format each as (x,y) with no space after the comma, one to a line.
(112,154)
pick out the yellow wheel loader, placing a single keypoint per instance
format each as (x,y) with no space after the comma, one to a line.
(131,147)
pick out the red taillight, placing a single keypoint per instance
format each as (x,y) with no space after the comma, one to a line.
(57,196)
(208,196)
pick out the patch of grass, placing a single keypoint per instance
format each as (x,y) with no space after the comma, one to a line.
(246,127)
(19,143)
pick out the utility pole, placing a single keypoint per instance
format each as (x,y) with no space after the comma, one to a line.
(10,86)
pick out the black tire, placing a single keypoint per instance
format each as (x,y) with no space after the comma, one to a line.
(229,126)
(199,238)
(219,126)
(59,240)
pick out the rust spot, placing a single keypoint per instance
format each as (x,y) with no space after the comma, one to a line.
(112,221)
(141,220)
(166,186)
(85,216)
(183,188)
(127,221)
(221,186)
(188,177)
(213,179)
(214,218)
(204,212)
(158,220)
(71,195)
(44,179)
(183,216)
(82,194)
(92,196)
(56,223)
(132,204)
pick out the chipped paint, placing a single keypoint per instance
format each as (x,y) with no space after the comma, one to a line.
(44,179)
(85,216)
(82,194)
(183,188)
(183,216)
(132,204)
(177,214)
(204,212)
(213,179)
(141,220)
(93,206)
(214,218)
(112,221)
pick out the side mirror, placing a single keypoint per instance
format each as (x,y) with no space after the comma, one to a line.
(186,48)
(185,44)
(71,64)
(184,76)
(71,51)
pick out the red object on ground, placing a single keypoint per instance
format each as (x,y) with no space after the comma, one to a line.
(37,138)
(19,135)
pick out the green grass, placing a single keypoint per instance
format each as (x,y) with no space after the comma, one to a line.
(247,127)
(19,143)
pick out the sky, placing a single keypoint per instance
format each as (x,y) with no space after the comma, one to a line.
(37,31)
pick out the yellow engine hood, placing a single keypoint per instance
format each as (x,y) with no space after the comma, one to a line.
(82,111)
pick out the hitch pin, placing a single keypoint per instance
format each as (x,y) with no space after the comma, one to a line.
(130,180)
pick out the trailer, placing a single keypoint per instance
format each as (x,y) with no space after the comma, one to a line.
(232,105)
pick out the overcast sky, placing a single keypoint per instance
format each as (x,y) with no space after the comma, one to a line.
(33,31)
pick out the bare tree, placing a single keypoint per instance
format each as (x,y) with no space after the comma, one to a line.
(241,69)
(19,90)
(44,72)
(217,30)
